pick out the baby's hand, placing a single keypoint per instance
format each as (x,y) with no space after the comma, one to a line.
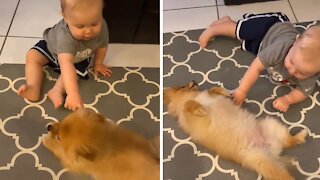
(102,69)
(281,104)
(73,102)
(238,96)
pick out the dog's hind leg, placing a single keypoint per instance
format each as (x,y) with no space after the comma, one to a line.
(266,165)
(291,141)
(279,136)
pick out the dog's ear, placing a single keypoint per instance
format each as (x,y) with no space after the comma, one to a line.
(166,96)
(88,153)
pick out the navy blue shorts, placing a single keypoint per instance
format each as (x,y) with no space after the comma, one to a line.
(81,67)
(252,28)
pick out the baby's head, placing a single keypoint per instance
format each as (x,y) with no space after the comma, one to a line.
(303,59)
(84,17)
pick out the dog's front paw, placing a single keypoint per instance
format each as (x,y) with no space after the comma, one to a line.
(195,108)
(219,91)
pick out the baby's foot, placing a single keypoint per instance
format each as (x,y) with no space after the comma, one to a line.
(28,93)
(208,34)
(221,20)
(56,98)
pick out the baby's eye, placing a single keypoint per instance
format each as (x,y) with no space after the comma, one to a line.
(79,26)
(291,61)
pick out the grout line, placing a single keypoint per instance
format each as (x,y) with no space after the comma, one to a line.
(5,39)
(31,37)
(198,7)
(218,16)
(294,14)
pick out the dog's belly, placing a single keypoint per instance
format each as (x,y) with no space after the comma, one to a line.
(231,129)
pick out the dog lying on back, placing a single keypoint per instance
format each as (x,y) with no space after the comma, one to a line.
(213,120)
(85,142)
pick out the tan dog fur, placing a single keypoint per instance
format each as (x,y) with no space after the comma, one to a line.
(85,142)
(212,119)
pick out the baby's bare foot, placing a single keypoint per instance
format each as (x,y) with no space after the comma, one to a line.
(208,34)
(56,98)
(221,20)
(28,93)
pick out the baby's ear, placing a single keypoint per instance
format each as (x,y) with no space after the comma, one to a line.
(88,153)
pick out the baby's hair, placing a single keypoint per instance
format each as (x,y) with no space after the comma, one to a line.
(310,39)
(71,4)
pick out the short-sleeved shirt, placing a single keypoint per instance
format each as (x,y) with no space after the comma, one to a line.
(59,40)
(273,50)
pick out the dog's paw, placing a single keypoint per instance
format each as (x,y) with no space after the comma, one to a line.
(195,108)
(218,91)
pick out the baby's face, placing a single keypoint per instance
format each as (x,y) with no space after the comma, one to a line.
(84,25)
(297,65)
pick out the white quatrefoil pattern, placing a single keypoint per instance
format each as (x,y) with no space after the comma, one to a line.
(130,97)
(223,63)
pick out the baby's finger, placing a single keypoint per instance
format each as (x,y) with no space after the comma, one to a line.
(105,72)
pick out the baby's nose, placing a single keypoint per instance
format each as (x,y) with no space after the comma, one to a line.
(88,31)
(292,71)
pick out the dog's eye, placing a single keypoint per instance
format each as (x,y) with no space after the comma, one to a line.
(58,138)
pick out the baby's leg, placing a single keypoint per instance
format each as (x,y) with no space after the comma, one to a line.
(33,72)
(56,93)
(222,27)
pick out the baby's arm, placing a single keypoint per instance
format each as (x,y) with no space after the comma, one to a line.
(98,66)
(249,78)
(69,76)
(282,103)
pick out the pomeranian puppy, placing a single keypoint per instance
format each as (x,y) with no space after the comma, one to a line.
(213,120)
(85,142)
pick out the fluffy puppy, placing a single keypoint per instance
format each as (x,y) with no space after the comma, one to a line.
(85,142)
(212,119)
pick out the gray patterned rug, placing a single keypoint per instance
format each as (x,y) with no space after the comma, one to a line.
(223,63)
(130,97)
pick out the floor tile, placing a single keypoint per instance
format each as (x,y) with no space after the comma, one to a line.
(128,55)
(187,19)
(15,49)
(7,9)
(307,10)
(179,4)
(38,14)
(220,2)
(133,55)
(236,11)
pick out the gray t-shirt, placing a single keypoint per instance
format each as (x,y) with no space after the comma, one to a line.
(59,40)
(273,50)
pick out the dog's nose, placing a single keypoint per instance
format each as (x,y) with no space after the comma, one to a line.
(194,83)
(49,127)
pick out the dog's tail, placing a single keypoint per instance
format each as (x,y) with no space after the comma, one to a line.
(270,167)
(154,145)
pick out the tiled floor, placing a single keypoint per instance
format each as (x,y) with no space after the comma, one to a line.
(23,21)
(182,15)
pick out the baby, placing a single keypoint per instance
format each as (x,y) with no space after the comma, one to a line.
(68,47)
(290,58)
